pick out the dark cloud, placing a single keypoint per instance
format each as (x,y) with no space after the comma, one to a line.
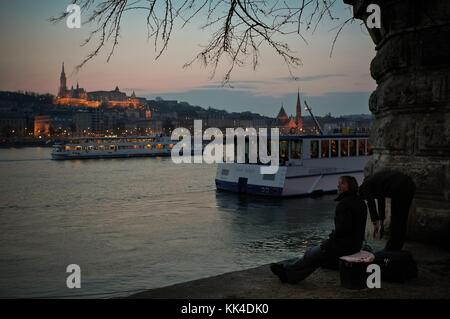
(224,87)
(336,103)
(309,78)
(241,84)
(251,84)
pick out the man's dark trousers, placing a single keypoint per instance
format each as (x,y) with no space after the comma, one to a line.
(400,205)
(298,269)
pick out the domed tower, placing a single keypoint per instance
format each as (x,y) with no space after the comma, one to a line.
(282,118)
(282,121)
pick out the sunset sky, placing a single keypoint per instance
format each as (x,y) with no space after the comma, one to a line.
(33,50)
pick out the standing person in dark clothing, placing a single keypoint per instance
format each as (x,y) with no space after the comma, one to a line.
(400,188)
(345,239)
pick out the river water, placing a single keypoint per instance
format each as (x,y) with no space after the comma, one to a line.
(133,224)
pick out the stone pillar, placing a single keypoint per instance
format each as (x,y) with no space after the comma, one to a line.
(411,105)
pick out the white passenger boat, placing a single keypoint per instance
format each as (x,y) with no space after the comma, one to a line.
(113,147)
(308,165)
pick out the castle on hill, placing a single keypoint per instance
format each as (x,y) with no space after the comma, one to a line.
(79,97)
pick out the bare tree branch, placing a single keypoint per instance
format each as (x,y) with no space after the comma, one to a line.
(340,27)
(240,27)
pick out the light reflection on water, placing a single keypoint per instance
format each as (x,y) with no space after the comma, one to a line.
(136,223)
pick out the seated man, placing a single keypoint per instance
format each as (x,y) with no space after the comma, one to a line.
(345,239)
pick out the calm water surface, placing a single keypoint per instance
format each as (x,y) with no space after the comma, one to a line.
(135,224)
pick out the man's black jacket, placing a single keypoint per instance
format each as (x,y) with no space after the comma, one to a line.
(350,224)
(386,183)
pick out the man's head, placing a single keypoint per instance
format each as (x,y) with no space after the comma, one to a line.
(347,184)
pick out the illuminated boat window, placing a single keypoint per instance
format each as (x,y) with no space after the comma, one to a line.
(314,149)
(325,149)
(334,148)
(296,149)
(369,149)
(362,147)
(284,155)
(344,148)
(352,147)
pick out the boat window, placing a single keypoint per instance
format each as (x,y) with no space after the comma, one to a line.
(112,147)
(170,146)
(269,148)
(362,147)
(159,146)
(334,148)
(269,177)
(283,152)
(149,146)
(78,148)
(344,148)
(369,149)
(325,148)
(246,150)
(296,149)
(314,149)
(352,148)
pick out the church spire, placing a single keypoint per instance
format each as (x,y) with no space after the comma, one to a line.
(62,83)
(298,108)
(298,111)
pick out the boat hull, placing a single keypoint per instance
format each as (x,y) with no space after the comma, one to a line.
(65,156)
(289,181)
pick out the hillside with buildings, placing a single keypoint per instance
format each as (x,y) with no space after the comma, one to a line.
(25,115)
(78,112)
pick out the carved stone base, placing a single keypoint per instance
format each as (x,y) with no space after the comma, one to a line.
(411,131)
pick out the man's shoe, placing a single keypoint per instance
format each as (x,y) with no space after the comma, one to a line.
(278,270)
